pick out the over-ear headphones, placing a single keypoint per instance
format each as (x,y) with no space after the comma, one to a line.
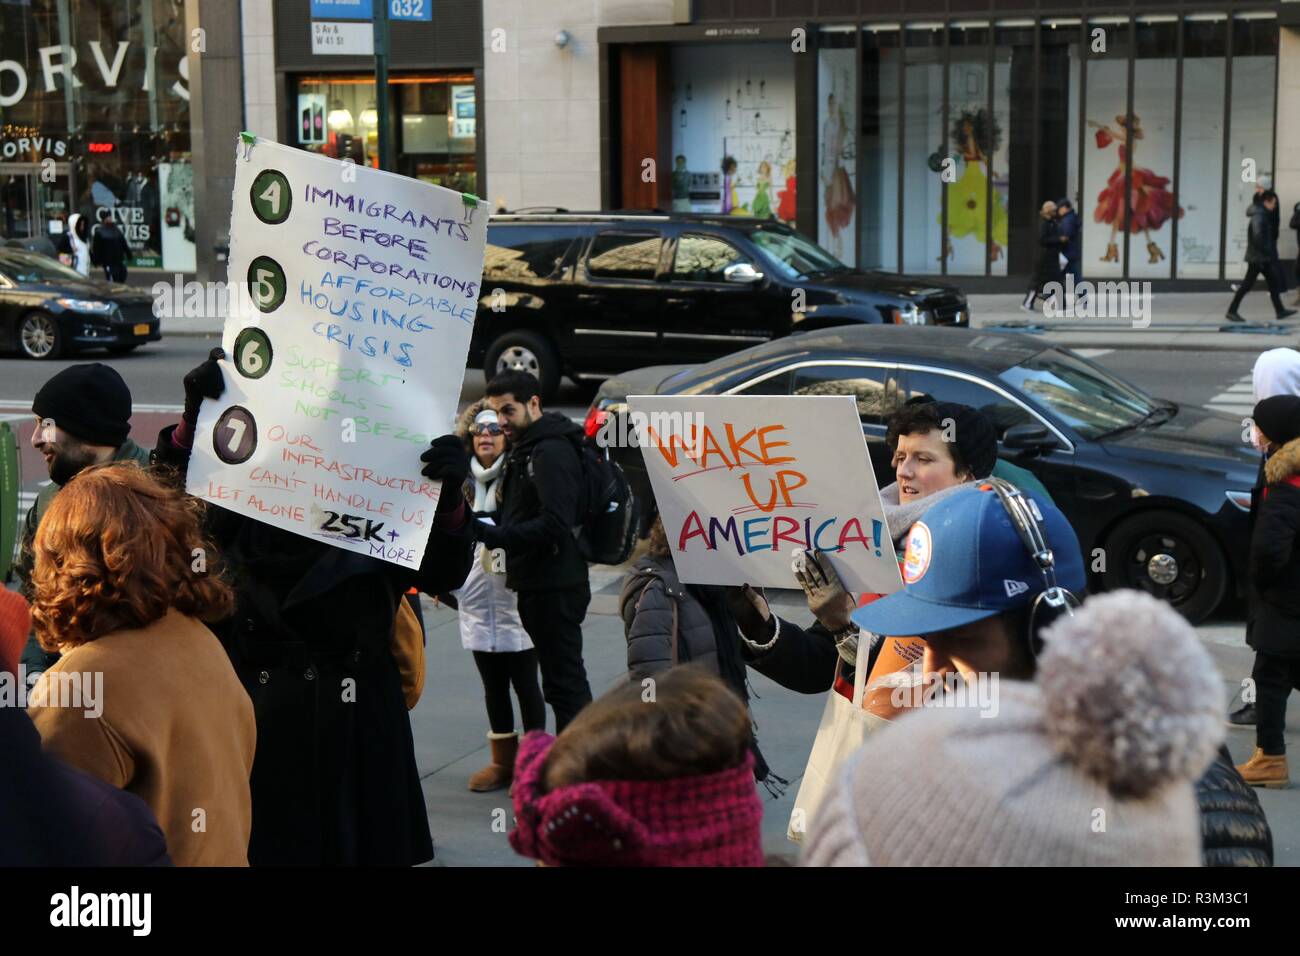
(1053,601)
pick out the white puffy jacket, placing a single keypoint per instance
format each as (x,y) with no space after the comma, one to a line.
(489,616)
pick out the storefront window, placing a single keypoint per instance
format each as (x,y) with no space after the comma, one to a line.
(733,123)
(1019,174)
(924,147)
(837,95)
(878,195)
(1151,223)
(117,132)
(432,122)
(1200,151)
(1250,129)
(1102,207)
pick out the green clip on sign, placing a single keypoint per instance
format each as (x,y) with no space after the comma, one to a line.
(9,484)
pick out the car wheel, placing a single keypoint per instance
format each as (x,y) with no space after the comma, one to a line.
(39,336)
(525,352)
(1170,556)
(123,349)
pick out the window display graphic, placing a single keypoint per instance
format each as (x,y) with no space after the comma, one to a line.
(1151,202)
(734,114)
(838,157)
(976,137)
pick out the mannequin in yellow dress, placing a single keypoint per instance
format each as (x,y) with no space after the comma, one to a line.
(976,136)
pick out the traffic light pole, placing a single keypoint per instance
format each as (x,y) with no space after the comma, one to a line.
(381,84)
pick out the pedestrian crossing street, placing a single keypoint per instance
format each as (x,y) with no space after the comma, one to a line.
(1237,399)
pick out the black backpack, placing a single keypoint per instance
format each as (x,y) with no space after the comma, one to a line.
(607,533)
(1295,217)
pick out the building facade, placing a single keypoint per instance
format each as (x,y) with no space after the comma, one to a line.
(95,117)
(919,137)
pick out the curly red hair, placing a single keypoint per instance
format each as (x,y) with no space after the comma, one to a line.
(115,551)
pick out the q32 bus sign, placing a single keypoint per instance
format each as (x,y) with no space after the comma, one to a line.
(363,9)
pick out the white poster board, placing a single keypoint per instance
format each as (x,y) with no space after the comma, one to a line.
(743,482)
(346,339)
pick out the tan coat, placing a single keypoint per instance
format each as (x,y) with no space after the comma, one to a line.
(174,726)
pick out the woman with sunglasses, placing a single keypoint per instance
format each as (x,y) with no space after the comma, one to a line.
(489,619)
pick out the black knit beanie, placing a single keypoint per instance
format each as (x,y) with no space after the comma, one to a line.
(1279,418)
(89,402)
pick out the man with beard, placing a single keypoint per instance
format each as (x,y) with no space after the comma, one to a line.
(83,416)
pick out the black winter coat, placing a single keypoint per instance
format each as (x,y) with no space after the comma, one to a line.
(334,777)
(1274,599)
(108,247)
(541,505)
(1049,253)
(1234,830)
(52,814)
(1261,237)
(652,595)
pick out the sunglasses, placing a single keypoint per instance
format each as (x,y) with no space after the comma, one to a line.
(490,428)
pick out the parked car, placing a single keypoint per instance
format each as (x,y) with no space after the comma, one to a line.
(589,295)
(48,310)
(1158,493)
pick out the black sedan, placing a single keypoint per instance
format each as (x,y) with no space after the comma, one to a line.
(1158,493)
(48,310)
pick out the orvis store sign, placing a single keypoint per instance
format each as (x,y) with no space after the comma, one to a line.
(96,64)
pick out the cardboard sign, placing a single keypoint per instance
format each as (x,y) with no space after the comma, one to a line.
(743,483)
(352,300)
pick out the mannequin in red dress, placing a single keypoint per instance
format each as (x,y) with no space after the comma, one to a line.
(1150,202)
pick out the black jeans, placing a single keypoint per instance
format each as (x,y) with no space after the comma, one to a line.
(553,619)
(1271,277)
(1274,677)
(501,669)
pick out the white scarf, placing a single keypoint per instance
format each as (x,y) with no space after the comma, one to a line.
(485,484)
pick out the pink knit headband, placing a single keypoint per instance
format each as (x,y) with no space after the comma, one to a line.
(709,820)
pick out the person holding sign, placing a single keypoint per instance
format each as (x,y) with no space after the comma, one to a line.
(334,779)
(938,449)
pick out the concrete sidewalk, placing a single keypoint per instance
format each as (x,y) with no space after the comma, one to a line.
(1177,320)
(450,724)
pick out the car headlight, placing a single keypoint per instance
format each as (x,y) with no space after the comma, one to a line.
(87,305)
(1239,498)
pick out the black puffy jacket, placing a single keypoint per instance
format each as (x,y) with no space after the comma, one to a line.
(1234,830)
(658,611)
(1273,608)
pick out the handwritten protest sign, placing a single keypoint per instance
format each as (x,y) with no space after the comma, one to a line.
(745,482)
(352,299)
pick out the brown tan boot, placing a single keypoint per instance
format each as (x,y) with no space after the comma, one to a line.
(501,770)
(1265,770)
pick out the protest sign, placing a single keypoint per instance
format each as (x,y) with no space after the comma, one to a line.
(745,482)
(352,299)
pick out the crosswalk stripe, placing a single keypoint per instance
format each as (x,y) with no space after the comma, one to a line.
(1236,399)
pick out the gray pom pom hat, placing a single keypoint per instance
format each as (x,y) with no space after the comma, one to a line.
(1092,764)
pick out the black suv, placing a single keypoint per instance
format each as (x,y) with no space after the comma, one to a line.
(593,294)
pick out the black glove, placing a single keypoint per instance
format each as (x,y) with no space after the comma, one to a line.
(203,381)
(446,460)
(752,614)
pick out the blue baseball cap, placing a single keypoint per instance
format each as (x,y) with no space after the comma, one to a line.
(964,561)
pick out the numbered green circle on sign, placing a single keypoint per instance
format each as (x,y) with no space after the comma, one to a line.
(234,438)
(267,283)
(252,353)
(271,196)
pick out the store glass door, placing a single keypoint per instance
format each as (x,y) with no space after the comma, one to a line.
(30,200)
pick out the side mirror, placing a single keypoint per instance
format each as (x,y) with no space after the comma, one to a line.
(1029,436)
(742,272)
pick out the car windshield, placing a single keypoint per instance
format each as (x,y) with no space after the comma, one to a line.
(792,255)
(29,267)
(1090,401)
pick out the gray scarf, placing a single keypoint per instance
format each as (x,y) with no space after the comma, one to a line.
(901,516)
(485,484)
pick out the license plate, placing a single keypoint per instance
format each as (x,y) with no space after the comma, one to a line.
(141,329)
